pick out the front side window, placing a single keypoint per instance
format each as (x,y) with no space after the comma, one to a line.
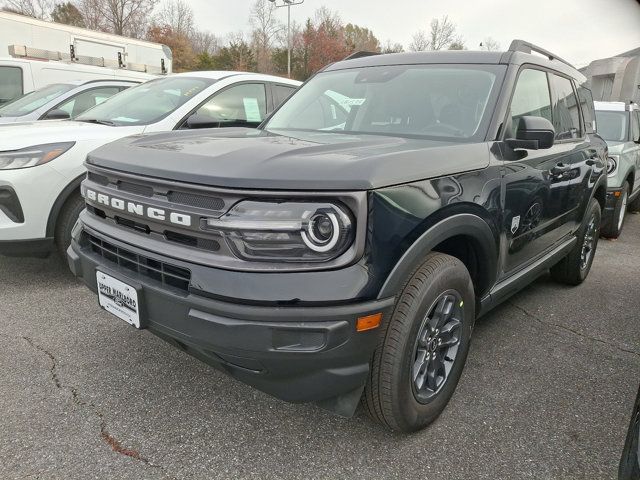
(612,126)
(10,84)
(432,101)
(147,103)
(566,116)
(88,99)
(244,104)
(530,98)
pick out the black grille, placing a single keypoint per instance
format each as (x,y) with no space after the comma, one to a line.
(194,200)
(136,189)
(168,275)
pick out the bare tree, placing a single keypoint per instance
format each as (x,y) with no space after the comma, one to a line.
(490,45)
(205,42)
(266,29)
(419,42)
(442,33)
(122,17)
(178,15)
(390,47)
(33,8)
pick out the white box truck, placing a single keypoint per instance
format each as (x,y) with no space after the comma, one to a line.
(35,53)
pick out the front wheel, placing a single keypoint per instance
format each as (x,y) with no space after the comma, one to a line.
(423,347)
(574,268)
(66,221)
(613,228)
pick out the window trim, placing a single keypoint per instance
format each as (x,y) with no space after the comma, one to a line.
(121,87)
(183,120)
(21,70)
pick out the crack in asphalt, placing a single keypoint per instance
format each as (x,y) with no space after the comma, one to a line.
(109,439)
(570,330)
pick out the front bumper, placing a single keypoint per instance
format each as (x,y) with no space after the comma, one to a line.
(295,353)
(613,195)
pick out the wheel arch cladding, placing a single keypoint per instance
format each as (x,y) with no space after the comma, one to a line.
(54,213)
(600,194)
(465,236)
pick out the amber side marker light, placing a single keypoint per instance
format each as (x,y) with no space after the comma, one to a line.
(617,194)
(369,322)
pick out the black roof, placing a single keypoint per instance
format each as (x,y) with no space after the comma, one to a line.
(518,54)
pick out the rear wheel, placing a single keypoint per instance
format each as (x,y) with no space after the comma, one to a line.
(66,220)
(574,268)
(423,347)
(614,228)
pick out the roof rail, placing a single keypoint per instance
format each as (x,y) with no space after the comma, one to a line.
(526,47)
(21,51)
(360,54)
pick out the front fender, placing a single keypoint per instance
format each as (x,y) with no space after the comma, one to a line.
(463,224)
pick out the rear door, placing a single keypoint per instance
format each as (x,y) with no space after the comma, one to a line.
(536,183)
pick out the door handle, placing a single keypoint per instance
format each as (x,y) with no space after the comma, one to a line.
(560,168)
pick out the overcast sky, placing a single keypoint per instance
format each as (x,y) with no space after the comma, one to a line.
(578,30)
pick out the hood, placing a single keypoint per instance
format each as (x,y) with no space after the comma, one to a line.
(254,159)
(14,136)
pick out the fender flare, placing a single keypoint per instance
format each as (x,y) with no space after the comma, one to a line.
(59,203)
(460,224)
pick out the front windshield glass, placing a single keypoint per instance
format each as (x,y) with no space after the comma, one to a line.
(449,102)
(612,126)
(34,100)
(146,103)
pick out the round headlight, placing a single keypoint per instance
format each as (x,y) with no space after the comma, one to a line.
(612,165)
(322,232)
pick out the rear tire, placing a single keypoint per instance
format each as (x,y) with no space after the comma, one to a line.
(574,268)
(614,227)
(423,346)
(634,206)
(66,221)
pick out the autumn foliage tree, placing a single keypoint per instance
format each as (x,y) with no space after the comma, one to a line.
(183,56)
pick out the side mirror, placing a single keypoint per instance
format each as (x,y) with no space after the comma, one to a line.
(533,133)
(198,120)
(57,114)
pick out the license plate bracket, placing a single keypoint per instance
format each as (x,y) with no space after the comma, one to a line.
(119,298)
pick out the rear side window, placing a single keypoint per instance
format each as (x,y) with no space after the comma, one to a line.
(531,97)
(82,102)
(281,93)
(566,115)
(10,84)
(586,105)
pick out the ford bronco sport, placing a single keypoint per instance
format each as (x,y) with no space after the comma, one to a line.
(619,124)
(344,250)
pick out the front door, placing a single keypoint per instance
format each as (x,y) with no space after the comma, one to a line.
(536,183)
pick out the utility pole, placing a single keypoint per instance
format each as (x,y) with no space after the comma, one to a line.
(288,4)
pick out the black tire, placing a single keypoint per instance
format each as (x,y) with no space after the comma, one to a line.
(613,227)
(391,396)
(634,206)
(573,269)
(66,220)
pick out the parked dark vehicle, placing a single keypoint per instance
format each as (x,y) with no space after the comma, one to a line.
(344,250)
(630,461)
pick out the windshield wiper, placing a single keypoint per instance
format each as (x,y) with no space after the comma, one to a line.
(99,122)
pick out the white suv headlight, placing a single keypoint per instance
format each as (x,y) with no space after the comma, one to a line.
(32,156)
(612,165)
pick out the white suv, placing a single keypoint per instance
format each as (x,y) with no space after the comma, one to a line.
(42,163)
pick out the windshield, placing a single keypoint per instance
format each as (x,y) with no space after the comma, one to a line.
(437,101)
(146,103)
(612,126)
(34,100)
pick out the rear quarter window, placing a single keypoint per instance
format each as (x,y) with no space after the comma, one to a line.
(586,105)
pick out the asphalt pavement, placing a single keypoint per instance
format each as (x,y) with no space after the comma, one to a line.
(547,393)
